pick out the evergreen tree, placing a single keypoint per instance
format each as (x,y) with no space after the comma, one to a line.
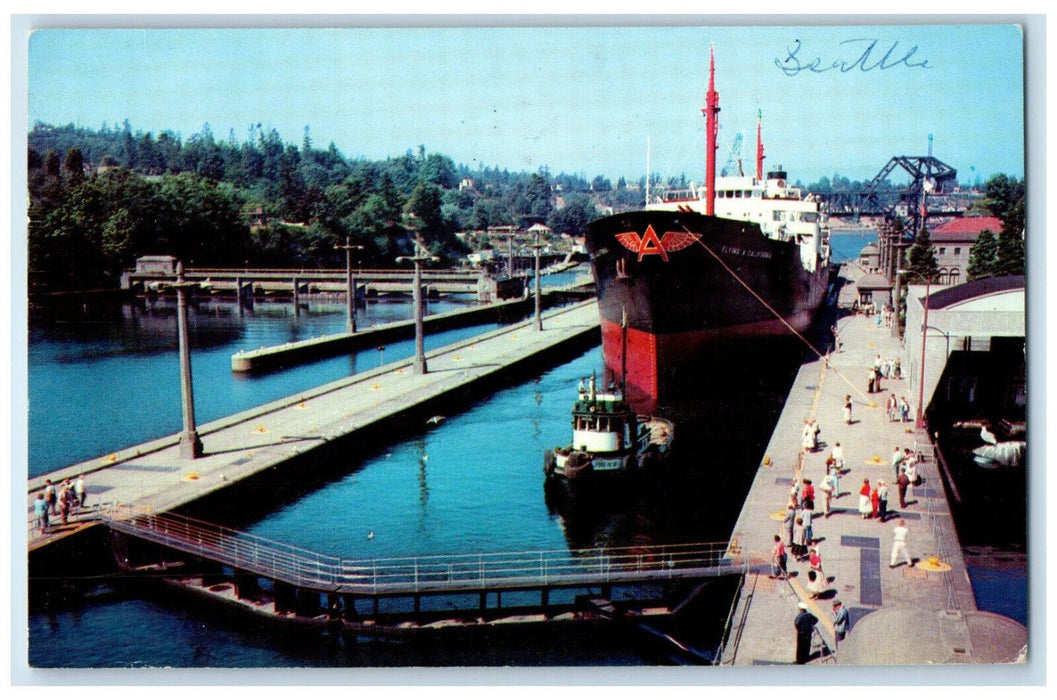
(74,166)
(920,256)
(51,164)
(1015,220)
(983,256)
(425,205)
(1002,193)
(574,216)
(1010,254)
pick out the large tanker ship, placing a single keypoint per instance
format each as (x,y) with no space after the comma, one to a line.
(703,271)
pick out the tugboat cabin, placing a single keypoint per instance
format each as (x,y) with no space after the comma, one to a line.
(603,424)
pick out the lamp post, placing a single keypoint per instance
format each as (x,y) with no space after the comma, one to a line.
(350,285)
(920,422)
(190,443)
(539,318)
(421,255)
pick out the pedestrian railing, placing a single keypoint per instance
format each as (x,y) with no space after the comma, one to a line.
(394,575)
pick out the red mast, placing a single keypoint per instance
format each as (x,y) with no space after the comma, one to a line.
(759,145)
(711,111)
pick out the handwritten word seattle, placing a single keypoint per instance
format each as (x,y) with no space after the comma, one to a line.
(859,54)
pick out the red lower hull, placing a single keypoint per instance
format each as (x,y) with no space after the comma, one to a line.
(652,358)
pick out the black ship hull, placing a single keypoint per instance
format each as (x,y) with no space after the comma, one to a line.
(674,288)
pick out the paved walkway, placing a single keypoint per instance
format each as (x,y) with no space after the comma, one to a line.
(153,475)
(855,552)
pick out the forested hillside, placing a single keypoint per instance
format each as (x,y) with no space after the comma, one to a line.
(100,199)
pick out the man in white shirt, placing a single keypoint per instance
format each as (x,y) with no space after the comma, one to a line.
(899,544)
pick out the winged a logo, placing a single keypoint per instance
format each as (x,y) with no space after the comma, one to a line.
(650,244)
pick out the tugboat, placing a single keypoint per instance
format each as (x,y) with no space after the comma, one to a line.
(608,438)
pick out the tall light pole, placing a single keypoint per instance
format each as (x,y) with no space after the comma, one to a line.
(539,318)
(190,443)
(920,422)
(896,252)
(421,255)
(350,285)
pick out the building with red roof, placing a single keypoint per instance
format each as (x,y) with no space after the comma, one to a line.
(952,241)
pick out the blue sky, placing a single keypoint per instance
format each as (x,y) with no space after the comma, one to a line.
(575,99)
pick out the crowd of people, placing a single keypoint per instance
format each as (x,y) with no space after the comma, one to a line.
(882,368)
(798,541)
(58,500)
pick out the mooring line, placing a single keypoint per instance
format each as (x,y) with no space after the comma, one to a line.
(824,358)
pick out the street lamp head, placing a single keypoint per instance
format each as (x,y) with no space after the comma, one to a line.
(917,274)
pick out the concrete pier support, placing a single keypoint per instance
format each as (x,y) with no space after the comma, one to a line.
(309,602)
(247,587)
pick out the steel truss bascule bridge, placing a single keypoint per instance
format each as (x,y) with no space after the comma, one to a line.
(931,190)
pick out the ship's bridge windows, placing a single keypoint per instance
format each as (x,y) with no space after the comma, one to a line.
(810,217)
(778,215)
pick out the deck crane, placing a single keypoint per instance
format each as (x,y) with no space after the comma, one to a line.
(734,158)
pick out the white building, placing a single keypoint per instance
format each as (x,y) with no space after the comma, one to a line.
(982,316)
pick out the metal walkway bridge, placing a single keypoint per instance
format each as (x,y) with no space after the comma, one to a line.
(496,571)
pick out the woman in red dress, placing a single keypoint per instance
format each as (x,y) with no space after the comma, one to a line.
(864,499)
